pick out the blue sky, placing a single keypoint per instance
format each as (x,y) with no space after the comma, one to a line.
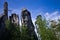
(36,7)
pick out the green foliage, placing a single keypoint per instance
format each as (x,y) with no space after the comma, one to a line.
(25,34)
(44,31)
(12,30)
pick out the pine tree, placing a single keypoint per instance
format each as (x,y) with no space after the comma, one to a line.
(45,32)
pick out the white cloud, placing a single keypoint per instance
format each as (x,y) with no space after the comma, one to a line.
(52,16)
(49,16)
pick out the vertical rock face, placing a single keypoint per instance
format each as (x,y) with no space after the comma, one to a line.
(2,26)
(14,19)
(6,9)
(3,17)
(26,21)
(2,22)
(26,18)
